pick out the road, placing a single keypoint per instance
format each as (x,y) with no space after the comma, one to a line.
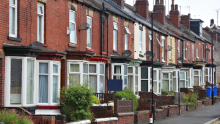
(199,116)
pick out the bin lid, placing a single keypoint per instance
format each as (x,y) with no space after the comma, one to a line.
(215,86)
(208,87)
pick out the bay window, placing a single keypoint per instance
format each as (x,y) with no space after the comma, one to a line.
(120,71)
(115,36)
(197,77)
(40,22)
(19,81)
(87,72)
(146,78)
(184,79)
(167,81)
(72,25)
(48,82)
(89,32)
(13,18)
(133,79)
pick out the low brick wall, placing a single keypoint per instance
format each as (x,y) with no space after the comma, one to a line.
(199,104)
(164,100)
(173,110)
(141,117)
(184,90)
(183,108)
(101,111)
(191,108)
(202,92)
(209,101)
(50,119)
(217,99)
(126,119)
(111,120)
(161,113)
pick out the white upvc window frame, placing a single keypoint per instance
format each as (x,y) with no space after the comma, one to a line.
(140,41)
(90,28)
(115,36)
(50,81)
(42,22)
(178,49)
(24,81)
(150,41)
(122,74)
(169,79)
(184,49)
(148,79)
(199,75)
(127,32)
(135,76)
(185,78)
(170,50)
(206,53)
(193,59)
(158,81)
(162,43)
(175,77)
(189,51)
(74,23)
(197,49)
(15,19)
(81,73)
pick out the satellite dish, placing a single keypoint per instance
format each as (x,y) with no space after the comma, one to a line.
(204,59)
(37,44)
(207,50)
(169,48)
(127,52)
(148,53)
(180,59)
(85,26)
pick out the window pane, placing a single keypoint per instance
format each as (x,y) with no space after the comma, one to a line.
(92,68)
(102,84)
(159,75)
(55,89)
(43,88)
(196,73)
(125,70)
(12,1)
(155,75)
(206,71)
(30,81)
(102,68)
(182,84)
(165,86)
(89,33)
(55,69)
(73,33)
(74,78)
(187,84)
(144,73)
(136,70)
(74,67)
(196,81)
(39,27)
(136,80)
(130,69)
(43,68)
(85,78)
(116,77)
(16,81)
(114,39)
(39,9)
(182,75)
(126,41)
(171,84)
(144,85)
(165,75)
(117,69)
(85,68)
(72,16)
(93,82)
(130,82)
(174,84)
(155,87)
(11,20)
(125,82)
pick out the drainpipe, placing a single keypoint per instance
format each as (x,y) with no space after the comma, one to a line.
(107,15)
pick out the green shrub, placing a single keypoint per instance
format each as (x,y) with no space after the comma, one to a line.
(191,98)
(95,100)
(127,95)
(9,117)
(164,93)
(76,101)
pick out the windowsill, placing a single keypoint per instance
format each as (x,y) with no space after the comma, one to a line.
(15,38)
(163,61)
(141,55)
(72,45)
(115,51)
(88,49)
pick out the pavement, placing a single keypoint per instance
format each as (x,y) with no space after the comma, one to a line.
(199,116)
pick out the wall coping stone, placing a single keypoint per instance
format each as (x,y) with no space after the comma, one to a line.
(105,119)
(141,112)
(217,97)
(125,114)
(48,117)
(159,110)
(199,101)
(163,107)
(80,122)
(173,106)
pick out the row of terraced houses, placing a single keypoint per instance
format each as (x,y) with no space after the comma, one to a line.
(45,42)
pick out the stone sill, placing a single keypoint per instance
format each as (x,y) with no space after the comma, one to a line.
(105,119)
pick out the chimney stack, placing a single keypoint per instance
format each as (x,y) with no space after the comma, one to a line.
(141,7)
(159,7)
(174,15)
(120,2)
(212,22)
(185,20)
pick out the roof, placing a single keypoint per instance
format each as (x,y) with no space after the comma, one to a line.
(190,33)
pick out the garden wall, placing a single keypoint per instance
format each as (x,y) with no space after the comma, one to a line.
(141,117)
(101,111)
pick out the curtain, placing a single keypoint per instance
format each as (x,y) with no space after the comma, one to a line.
(182,84)
(155,75)
(117,69)
(73,32)
(30,81)
(74,67)
(85,78)
(93,82)
(74,78)
(16,81)
(92,68)
(11,20)
(130,82)
(85,68)
(55,83)
(125,69)
(102,68)
(102,84)
(43,83)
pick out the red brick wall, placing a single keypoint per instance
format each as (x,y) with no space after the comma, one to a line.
(101,111)
(106,122)
(173,111)
(128,119)
(141,8)
(159,115)
(174,18)
(185,20)
(141,118)
(199,104)
(160,17)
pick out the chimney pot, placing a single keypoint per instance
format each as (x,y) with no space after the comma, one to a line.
(176,7)
(172,2)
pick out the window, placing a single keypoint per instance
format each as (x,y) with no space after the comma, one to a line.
(157,81)
(89,32)
(120,71)
(87,72)
(150,40)
(145,78)
(193,52)
(197,50)
(175,81)
(133,79)
(189,51)
(206,53)
(162,54)
(140,38)
(21,75)
(13,18)
(40,22)
(178,48)
(184,79)
(49,82)
(72,25)
(167,81)
(170,50)
(115,33)
(197,79)
(126,37)
(184,49)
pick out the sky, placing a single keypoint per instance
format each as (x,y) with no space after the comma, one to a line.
(199,9)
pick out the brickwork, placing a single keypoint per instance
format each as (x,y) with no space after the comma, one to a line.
(174,18)
(182,108)
(160,17)
(141,8)
(141,117)
(106,122)
(173,110)
(101,111)
(161,113)
(199,104)
(202,92)
(185,20)
(165,100)
(127,119)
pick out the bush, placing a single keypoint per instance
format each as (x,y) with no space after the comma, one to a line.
(169,93)
(190,98)
(13,116)
(76,101)
(95,100)
(127,95)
